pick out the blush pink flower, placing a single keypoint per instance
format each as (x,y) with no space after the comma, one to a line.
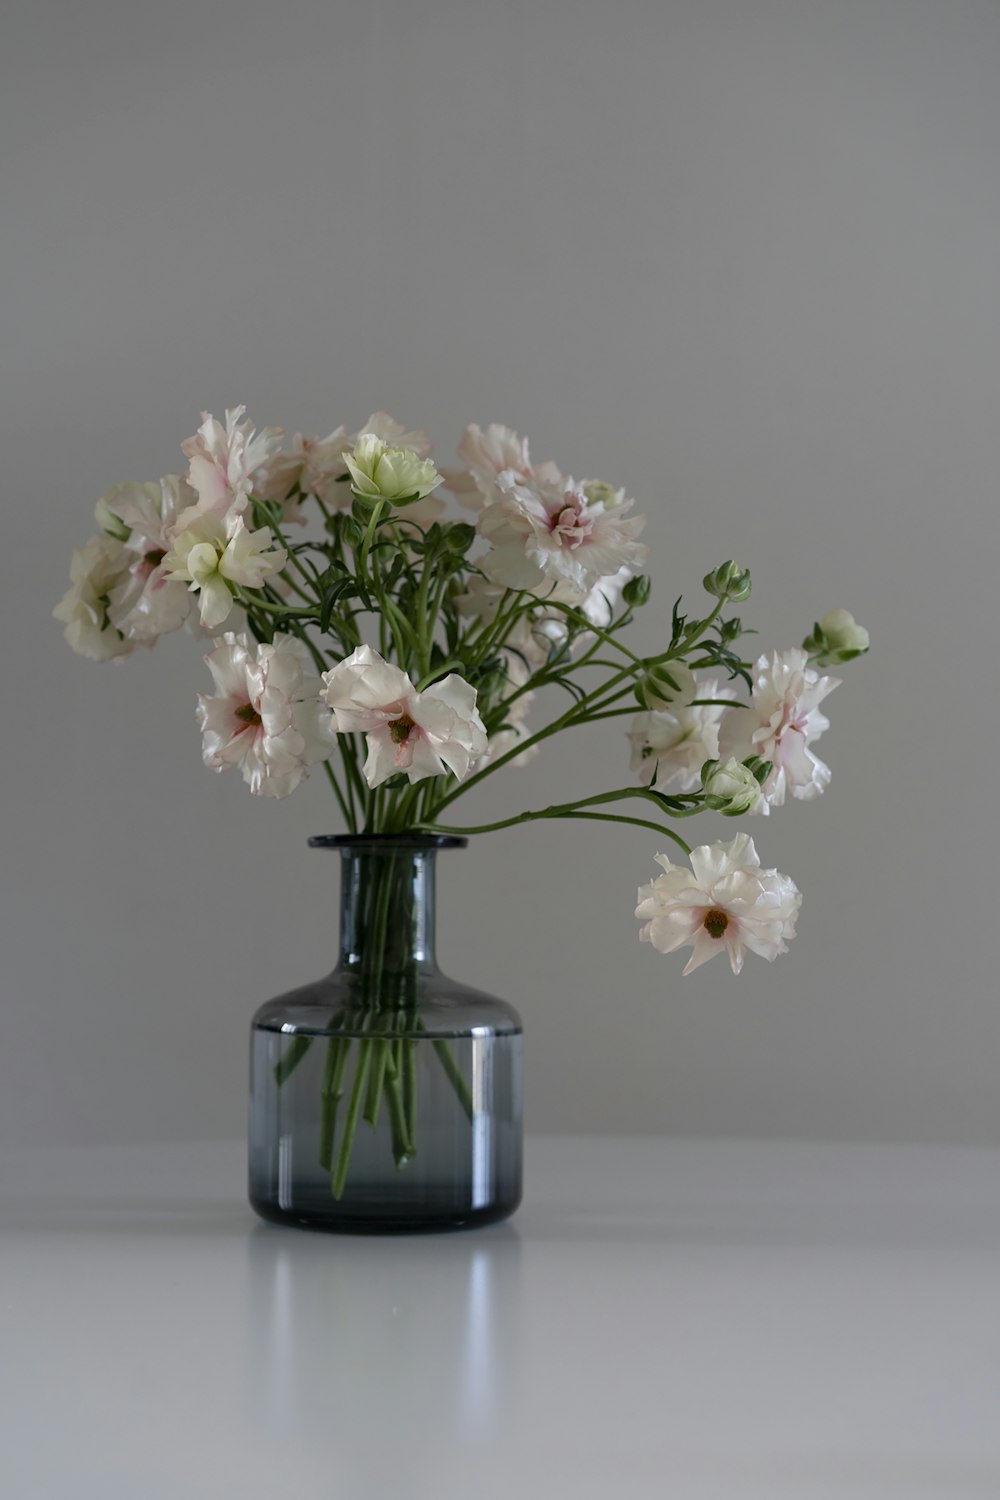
(780,723)
(546,536)
(669,746)
(724,903)
(147,603)
(486,456)
(418,734)
(266,716)
(223,461)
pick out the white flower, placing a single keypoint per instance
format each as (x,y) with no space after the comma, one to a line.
(487,455)
(266,716)
(147,603)
(725,902)
(223,460)
(420,734)
(672,744)
(544,534)
(730,788)
(380,472)
(514,730)
(313,467)
(780,723)
(209,557)
(95,570)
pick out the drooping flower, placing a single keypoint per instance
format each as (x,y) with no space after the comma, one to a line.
(95,570)
(544,534)
(486,456)
(147,603)
(209,557)
(724,903)
(670,745)
(419,734)
(223,461)
(780,723)
(266,716)
(380,472)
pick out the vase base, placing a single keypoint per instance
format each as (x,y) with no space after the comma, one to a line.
(365,1219)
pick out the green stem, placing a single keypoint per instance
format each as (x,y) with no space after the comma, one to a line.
(294,1053)
(339,1177)
(455,1077)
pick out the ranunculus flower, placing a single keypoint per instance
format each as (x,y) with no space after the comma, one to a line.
(209,557)
(724,903)
(675,742)
(313,467)
(379,472)
(266,716)
(95,569)
(419,734)
(544,534)
(147,603)
(487,455)
(837,637)
(730,788)
(780,723)
(223,461)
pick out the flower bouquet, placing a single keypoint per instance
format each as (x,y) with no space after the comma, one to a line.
(357,623)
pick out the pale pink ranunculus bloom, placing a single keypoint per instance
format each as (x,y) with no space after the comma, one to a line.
(313,467)
(486,456)
(95,570)
(419,734)
(147,603)
(223,461)
(724,903)
(543,534)
(265,716)
(669,746)
(780,723)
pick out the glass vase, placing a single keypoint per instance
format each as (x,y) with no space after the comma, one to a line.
(385,1097)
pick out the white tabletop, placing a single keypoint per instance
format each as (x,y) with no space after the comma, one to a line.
(684,1319)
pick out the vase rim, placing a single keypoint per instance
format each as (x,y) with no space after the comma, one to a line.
(387,840)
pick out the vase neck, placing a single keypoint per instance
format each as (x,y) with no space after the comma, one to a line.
(386,906)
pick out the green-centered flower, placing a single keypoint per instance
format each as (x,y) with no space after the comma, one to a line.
(398,475)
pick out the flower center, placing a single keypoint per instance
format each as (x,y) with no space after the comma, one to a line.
(715,922)
(248,714)
(154,557)
(400,728)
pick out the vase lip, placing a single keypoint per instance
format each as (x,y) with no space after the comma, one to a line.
(387,841)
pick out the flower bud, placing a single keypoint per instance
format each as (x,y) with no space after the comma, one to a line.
(729,582)
(637,591)
(550,634)
(108,522)
(835,638)
(664,684)
(729,787)
(599,492)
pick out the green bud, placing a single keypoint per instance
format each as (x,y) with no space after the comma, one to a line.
(637,591)
(730,788)
(836,638)
(458,537)
(729,582)
(664,683)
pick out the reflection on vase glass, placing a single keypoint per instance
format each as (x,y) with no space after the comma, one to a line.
(386,1096)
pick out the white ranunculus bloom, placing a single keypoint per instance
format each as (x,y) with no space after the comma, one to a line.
(223,461)
(379,472)
(209,557)
(266,716)
(780,723)
(675,742)
(542,534)
(724,903)
(95,570)
(486,456)
(419,734)
(147,603)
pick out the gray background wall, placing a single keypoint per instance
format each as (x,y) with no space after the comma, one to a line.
(738,255)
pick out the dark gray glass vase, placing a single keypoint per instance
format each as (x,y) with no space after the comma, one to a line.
(385,1097)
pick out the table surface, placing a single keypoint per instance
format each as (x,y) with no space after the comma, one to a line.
(698,1320)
